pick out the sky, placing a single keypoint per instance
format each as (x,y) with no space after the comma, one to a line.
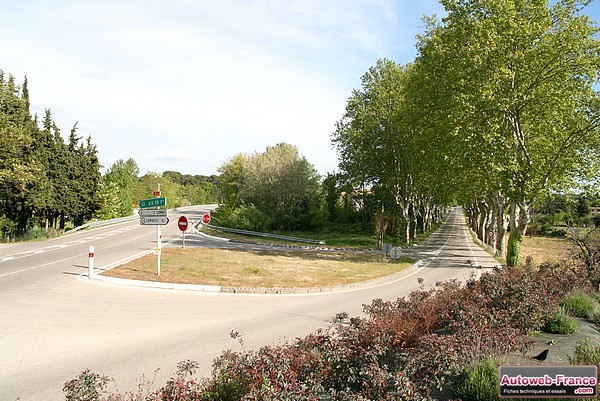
(185,85)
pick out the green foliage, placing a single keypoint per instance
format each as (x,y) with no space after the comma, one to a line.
(515,240)
(110,204)
(246,218)
(151,182)
(44,182)
(120,186)
(561,323)
(87,386)
(579,304)
(478,383)
(279,182)
(508,88)
(586,353)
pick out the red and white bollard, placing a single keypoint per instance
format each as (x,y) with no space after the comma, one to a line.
(91,261)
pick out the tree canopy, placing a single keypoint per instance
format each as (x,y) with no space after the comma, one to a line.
(44,180)
(279,183)
(498,108)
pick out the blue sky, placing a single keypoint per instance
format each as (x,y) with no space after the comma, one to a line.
(186,84)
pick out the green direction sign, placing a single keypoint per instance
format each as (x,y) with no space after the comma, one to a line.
(154,202)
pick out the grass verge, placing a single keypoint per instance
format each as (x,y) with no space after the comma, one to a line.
(269,269)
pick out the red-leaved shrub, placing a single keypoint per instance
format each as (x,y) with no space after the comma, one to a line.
(400,350)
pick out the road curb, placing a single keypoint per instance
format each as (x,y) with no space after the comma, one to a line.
(154,284)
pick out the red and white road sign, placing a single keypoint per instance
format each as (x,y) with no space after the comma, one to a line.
(182,223)
(206,218)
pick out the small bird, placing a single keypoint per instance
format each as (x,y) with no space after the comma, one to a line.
(542,355)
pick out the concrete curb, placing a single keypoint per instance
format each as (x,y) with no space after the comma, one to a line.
(154,284)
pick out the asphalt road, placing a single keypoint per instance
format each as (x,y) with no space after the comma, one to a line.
(54,322)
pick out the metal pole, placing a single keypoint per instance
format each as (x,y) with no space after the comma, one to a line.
(158,250)
(91,261)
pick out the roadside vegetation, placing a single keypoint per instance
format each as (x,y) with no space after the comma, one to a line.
(433,340)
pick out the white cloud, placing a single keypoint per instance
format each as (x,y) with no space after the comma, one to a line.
(186,84)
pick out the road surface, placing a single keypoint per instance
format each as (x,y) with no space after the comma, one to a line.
(54,322)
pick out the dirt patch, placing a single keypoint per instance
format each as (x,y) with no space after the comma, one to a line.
(542,249)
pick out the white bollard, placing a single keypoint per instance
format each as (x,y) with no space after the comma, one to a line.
(91,261)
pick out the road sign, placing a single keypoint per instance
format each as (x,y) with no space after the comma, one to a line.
(182,223)
(152,212)
(153,202)
(395,253)
(154,221)
(491,234)
(206,218)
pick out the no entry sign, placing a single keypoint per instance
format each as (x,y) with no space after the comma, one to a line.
(206,218)
(182,223)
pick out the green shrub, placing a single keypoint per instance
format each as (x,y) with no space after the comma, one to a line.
(580,304)
(596,317)
(87,386)
(478,383)
(561,323)
(586,353)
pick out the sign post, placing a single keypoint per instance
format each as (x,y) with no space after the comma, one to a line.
(91,261)
(395,253)
(182,223)
(154,217)
(158,249)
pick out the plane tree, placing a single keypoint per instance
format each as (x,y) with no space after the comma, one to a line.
(381,146)
(371,141)
(518,84)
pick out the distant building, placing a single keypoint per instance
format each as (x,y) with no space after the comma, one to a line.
(594,210)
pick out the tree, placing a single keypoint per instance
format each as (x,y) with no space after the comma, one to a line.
(582,208)
(372,140)
(231,180)
(150,182)
(517,78)
(381,144)
(123,176)
(109,206)
(588,242)
(279,182)
(282,184)
(44,181)
(18,168)
(193,189)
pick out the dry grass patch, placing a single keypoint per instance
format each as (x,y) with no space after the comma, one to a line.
(543,249)
(258,268)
